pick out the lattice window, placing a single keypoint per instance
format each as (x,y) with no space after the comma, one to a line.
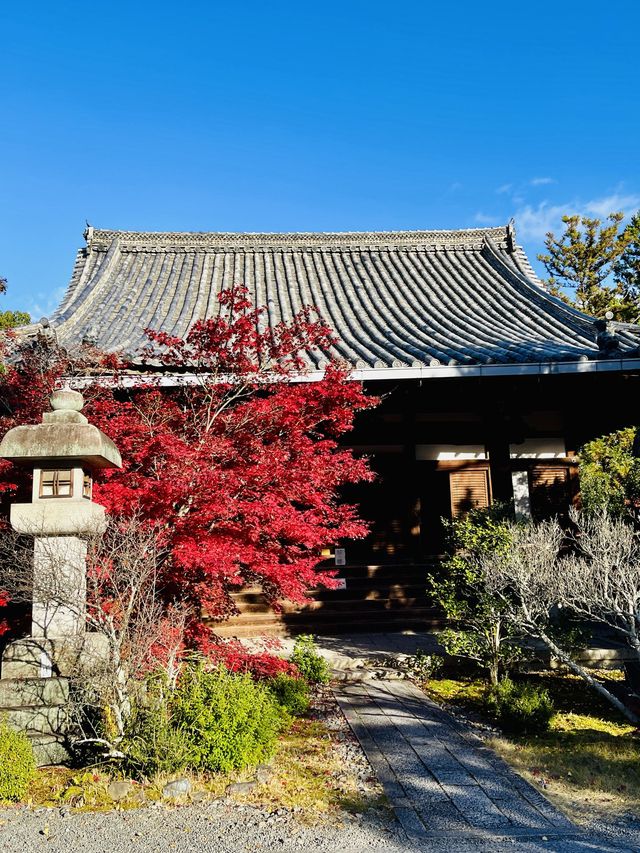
(56,484)
(469,490)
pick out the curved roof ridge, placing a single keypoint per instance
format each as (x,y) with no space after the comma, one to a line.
(465,238)
(562,309)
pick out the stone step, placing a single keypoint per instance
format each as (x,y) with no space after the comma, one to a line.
(373,569)
(326,614)
(49,750)
(356,590)
(39,720)
(26,692)
(365,605)
(409,573)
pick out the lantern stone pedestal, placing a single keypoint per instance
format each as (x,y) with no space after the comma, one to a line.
(36,670)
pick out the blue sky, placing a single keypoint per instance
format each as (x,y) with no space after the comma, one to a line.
(307,116)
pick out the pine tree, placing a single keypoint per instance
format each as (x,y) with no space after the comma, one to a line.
(11,319)
(580,262)
(626,270)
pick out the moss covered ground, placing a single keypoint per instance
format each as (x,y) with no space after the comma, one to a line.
(588,761)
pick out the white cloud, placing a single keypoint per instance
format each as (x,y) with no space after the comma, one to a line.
(486,218)
(505,188)
(602,207)
(539,182)
(44,304)
(455,186)
(532,223)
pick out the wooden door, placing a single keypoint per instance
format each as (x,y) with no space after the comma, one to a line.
(470,489)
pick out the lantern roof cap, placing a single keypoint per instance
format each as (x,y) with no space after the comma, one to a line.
(64,436)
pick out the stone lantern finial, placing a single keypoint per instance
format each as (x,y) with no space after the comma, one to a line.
(67,407)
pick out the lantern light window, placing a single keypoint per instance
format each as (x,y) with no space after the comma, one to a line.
(56,483)
(87,486)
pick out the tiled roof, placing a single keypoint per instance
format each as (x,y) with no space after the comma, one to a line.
(394,299)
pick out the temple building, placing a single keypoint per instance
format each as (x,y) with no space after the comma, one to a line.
(489,383)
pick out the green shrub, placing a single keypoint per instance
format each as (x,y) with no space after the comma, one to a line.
(312,666)
(424,665)
(291,693)
(231,721)
(17,763)
(610,473)
(520,708)
(154,744)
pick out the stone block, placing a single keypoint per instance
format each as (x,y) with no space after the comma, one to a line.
(182,787)
(59,586)
(34,657)
(42,720)
(58,518)
(26,692)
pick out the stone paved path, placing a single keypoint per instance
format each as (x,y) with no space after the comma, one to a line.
(440,779)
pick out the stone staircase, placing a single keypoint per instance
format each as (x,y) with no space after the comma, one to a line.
(39,707)
(376,598)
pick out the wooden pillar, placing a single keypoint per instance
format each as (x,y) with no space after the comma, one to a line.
(497,444)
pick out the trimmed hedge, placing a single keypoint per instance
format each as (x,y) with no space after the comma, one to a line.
(17,763)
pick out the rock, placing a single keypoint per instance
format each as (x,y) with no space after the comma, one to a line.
(119,789)
(240,787)
(198,796)
(264,774)
(177,788)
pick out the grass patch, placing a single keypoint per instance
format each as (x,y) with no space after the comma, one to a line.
(588,761)
(307,777)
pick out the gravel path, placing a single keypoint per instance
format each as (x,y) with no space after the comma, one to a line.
(226,828)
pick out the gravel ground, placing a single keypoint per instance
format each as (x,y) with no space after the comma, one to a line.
(221,825)
(225,826)
(213,826)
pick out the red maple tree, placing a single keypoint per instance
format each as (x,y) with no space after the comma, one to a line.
(226,449)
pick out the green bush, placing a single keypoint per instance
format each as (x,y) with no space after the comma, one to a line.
(610,473)
(232,721)
(291,693)
(17,763)
(520,708)
(312,666)
(154,744)
(424,665)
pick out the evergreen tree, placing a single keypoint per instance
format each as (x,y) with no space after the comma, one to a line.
(11,319)
(582,259)
(626,269)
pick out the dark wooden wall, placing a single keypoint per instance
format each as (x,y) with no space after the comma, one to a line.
(409,498)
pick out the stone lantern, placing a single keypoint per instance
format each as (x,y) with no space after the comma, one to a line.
(63,451)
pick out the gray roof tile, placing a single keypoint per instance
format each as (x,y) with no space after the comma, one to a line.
(393,298)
